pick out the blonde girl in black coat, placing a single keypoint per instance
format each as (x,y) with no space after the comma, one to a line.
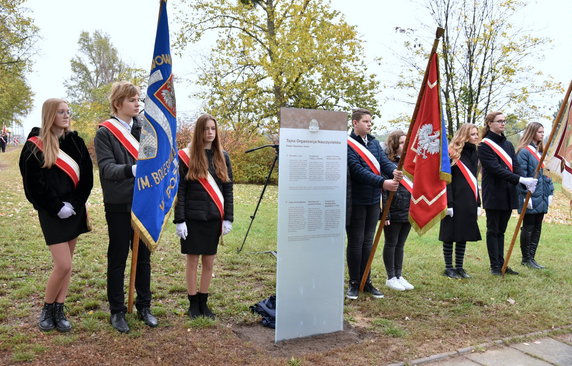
(463,200)
(58,176)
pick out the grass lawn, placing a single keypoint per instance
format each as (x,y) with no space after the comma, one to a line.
(440,315)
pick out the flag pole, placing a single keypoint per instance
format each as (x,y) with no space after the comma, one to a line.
(438,34)
(133,273)
(528,194)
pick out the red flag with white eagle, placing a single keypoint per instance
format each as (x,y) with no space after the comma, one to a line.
(427,160)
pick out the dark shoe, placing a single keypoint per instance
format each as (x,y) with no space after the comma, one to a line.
(194,310)
(462,274)
(62,324)
(47,318)
(372,290)
(118,322)
(496,272)
(451,273)
(147,317)
(203,307)
(537,266)
(510,271)
(530,264)
(353,290)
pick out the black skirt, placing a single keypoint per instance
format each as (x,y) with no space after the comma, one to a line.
(202,238)
(58,230)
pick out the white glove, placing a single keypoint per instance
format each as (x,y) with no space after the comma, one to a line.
(226,227)
(550,200)
(479,211)
(530,183)
(134,169)
(182,231)
(450,212)
(66,211)
(529,206)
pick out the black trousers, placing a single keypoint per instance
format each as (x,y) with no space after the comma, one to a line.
(360,238)
(120,237)
(497,221)
(395,237)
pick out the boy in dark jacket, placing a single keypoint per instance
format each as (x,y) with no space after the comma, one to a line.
(116,146)
(366,162)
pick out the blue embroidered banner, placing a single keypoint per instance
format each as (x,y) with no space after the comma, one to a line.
(157,177)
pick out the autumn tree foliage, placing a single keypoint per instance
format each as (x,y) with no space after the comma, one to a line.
(275,53)
(18,35)
(487,62)
(93,70)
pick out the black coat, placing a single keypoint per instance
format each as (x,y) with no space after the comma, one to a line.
(194,202)
(366,185)
(48,188)
(399,209)
(498,182)
(115,173)
(463,225)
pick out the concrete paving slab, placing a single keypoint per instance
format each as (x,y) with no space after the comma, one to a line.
(505,356)
(456,361)
(551,350)
(565,338)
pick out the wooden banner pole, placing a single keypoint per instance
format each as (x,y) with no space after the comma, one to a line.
(438,34)
(528,194)
(133,273)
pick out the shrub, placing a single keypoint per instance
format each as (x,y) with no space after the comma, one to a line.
(249,168)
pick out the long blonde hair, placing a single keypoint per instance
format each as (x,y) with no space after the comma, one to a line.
(50,142)
(528,136)
(458,141)
(198,162)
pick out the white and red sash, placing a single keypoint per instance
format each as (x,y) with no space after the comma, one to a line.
(208,183)
(407,183)
(499,151)
(535,153)
(64,161)
(365,154)
(124,136)
(470,178)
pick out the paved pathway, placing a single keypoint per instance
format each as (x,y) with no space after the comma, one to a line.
(553,350)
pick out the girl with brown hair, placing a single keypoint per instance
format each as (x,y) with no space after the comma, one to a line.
(528,154)
(501,174)
(204,208)
(397,225)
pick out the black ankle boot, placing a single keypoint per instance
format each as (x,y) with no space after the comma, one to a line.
(194,310)
(62,324)
(47,318)
(203,307)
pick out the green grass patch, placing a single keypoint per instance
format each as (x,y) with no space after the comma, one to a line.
(469,310)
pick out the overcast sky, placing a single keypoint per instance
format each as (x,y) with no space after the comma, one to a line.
(62,21)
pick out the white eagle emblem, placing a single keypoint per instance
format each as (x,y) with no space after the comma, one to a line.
(428,142)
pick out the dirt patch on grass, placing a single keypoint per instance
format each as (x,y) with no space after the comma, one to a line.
(263,338)
(222,344)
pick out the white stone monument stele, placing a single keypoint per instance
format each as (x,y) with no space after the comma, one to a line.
(311,223)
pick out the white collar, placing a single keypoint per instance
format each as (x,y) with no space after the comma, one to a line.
(126,124)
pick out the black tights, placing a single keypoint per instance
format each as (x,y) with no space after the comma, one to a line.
(459,254)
